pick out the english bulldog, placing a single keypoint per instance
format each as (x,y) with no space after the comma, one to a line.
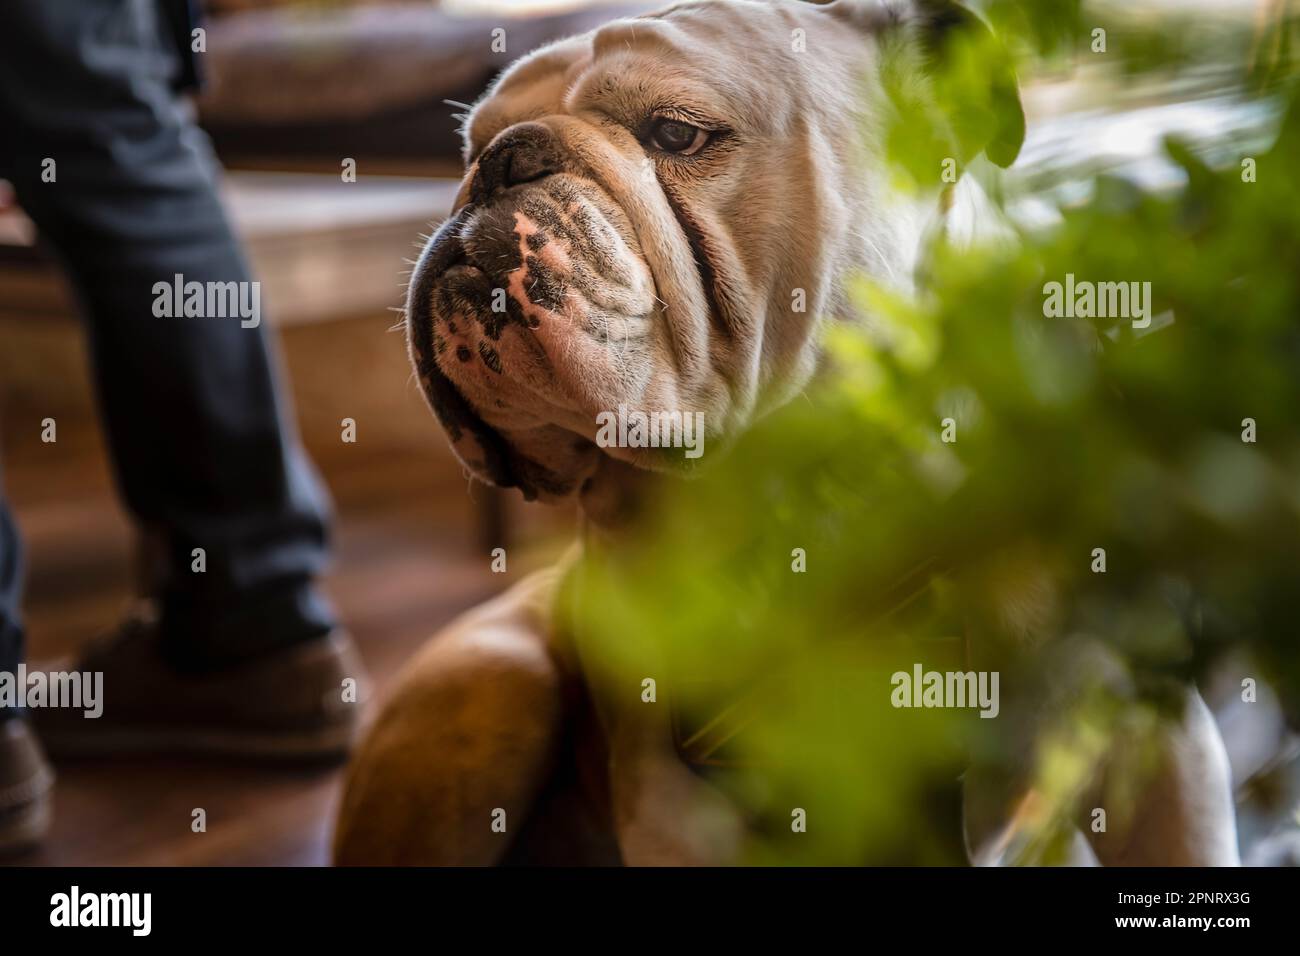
(638,206)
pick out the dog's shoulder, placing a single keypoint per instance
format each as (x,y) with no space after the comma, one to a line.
(510,634)
(465,732)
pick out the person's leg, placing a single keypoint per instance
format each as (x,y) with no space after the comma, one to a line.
(11,582)
(121,184)
(26,778)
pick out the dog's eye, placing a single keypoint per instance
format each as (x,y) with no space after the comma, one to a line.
(674,136)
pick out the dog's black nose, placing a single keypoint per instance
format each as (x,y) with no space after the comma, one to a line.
(522,154)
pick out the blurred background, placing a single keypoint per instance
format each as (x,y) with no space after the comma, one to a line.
(296,88)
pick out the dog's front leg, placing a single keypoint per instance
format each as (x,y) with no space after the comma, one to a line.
(664,814)
(1184,813)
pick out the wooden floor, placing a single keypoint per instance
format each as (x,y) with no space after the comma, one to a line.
(408,558)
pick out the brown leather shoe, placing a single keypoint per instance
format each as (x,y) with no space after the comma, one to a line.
(302,702)
(25,784)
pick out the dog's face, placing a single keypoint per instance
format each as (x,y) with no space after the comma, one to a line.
(655,216)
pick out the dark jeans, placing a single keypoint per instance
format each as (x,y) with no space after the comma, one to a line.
(204,451)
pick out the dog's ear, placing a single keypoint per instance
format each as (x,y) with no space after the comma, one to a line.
(972,83)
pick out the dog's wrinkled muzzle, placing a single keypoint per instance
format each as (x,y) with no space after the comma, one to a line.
(481,449)
(521,311)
